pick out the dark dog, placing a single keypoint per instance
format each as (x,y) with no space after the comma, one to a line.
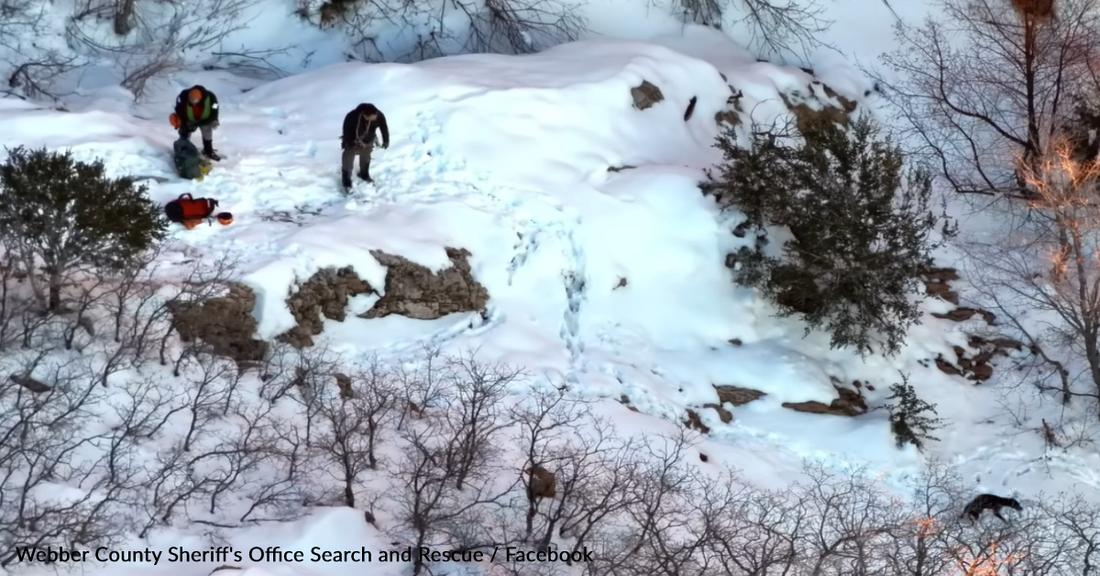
(989,502)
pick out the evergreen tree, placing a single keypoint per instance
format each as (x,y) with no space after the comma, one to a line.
(61,216)
(860,227)
(910,418)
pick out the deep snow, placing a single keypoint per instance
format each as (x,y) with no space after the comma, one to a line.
(508,157)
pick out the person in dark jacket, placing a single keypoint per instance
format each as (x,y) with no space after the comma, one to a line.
(358,139)
(197,109)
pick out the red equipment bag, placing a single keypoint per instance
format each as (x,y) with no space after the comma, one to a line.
(190,211)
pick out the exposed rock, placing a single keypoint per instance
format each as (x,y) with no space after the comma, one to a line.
(942,290)
(724,415)
(35,386)
(224,323)
(848,403)
(691,108)
(806,119)
(625,401)
(727,118)
(646,95)
(620,168)
(941,275)
(977,367)
(704,457)
(736,342)
(415,291)
(730,116)
(946,368)
(848,105)
(693,421)
(982,372)
(325,293)
(962,314)
(737,395)
(621,284)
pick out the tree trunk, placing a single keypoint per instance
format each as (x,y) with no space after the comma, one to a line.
(124,14)
(55,292)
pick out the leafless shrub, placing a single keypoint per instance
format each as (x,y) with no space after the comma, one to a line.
(424,383)
(375,395)
(428,507)
(15,302)
(775,28)
(478,414)
(31,69)
(519,26)
(351,427)
(762,533)
(548,426)
(1048,264)
(982,86)
(152,39)
(43,436)
(490,26)
(158,319)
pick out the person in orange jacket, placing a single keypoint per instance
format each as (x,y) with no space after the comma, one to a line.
(197,109)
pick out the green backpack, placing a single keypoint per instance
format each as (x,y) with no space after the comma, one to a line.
(189,162)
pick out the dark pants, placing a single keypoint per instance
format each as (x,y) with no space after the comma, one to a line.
(207,131)
(347,160)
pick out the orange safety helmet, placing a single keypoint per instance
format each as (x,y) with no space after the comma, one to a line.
(174,120)
(225,218)
(194,95)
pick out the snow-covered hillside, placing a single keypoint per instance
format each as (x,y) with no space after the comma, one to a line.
(581,213)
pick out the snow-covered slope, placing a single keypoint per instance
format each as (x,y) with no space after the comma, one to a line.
(611,281)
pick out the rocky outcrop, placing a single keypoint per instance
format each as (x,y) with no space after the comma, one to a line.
(962,314)
(977,367)
(937,284)
(734,395)
(730,115)
(411,290)
(646,95)
(224,323)
(415,291)
(807,117)
(737,395)
(848,403)
(693,421)
(326,293)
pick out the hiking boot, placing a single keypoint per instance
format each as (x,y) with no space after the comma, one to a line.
(208,150)
(364,176)
(346,179)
